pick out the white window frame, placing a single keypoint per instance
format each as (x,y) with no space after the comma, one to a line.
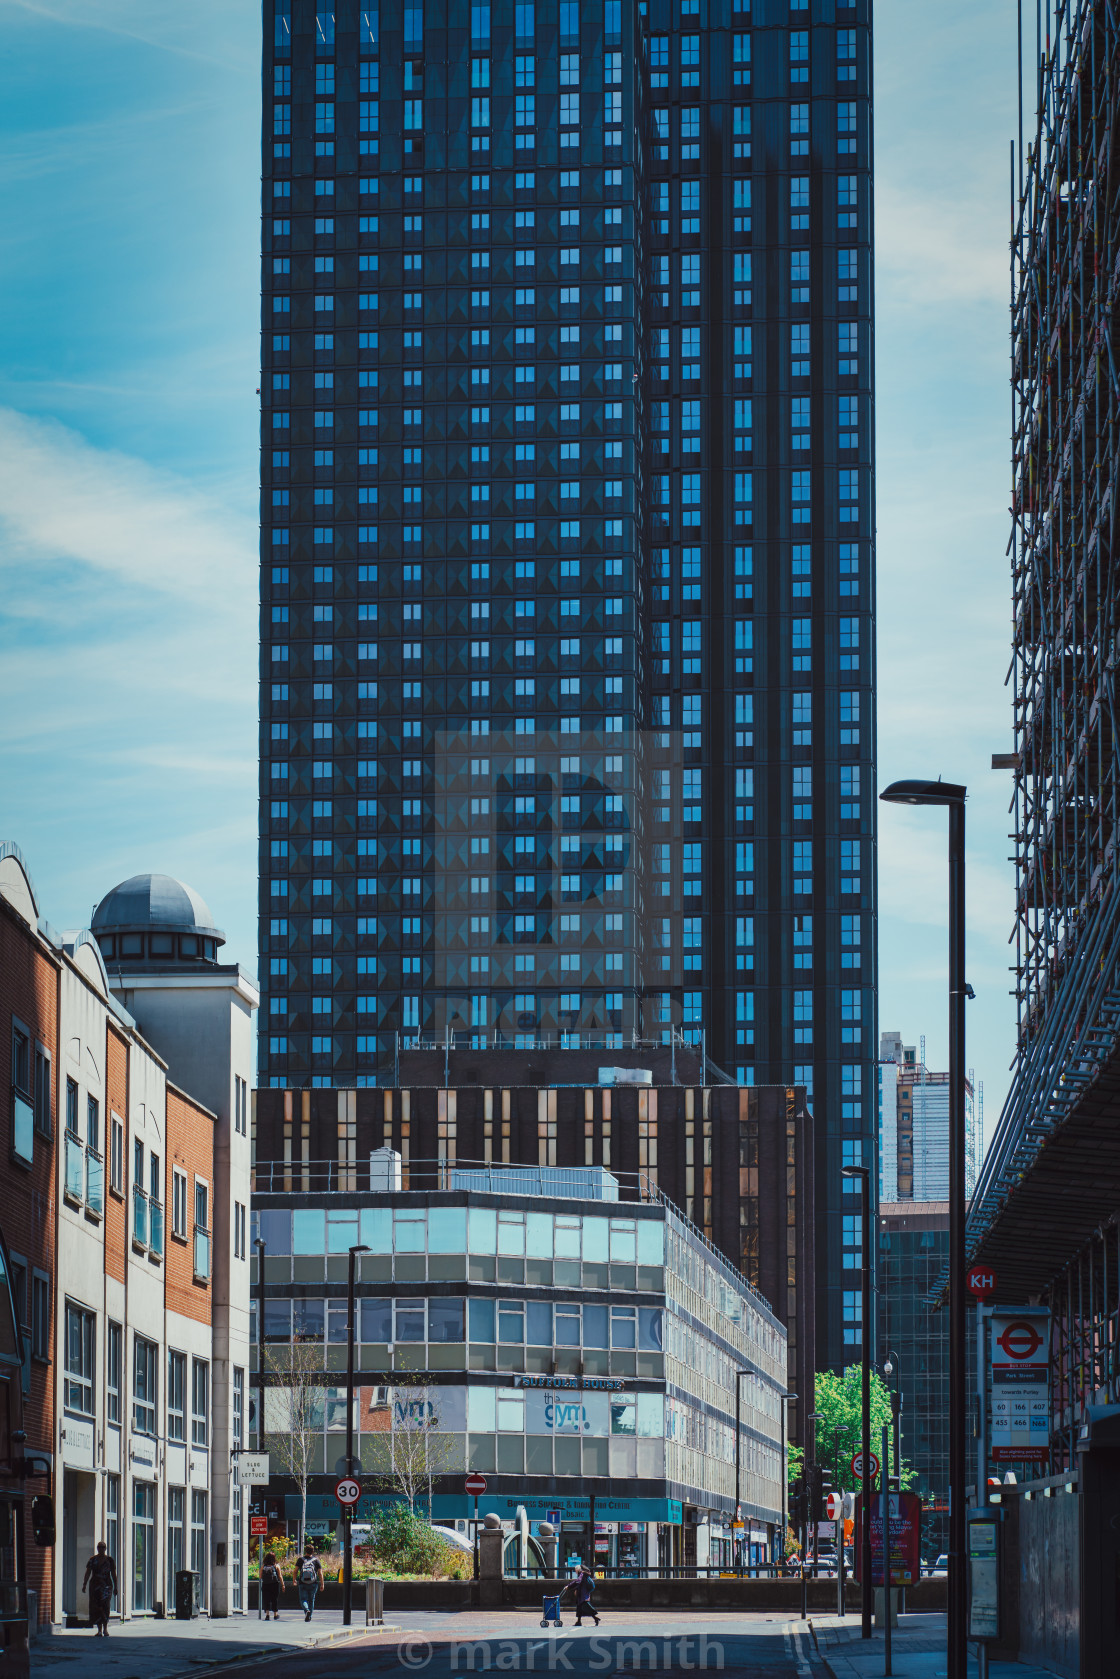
(116,1153)
(180,1205)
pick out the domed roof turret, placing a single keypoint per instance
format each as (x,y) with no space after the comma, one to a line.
(156,904)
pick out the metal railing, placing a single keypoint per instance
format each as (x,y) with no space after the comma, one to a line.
(95,1181)
(139,1216)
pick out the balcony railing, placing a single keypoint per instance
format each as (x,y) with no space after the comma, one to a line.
(201,1252)
(155,1216)
(95,1182)
(75,1167)
(139,1217)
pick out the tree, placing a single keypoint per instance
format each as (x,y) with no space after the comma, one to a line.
(409,1454)
(839,1407)
(295,1402)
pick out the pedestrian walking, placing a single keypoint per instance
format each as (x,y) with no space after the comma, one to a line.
(585,1585)
(101,1581)
(271,1582)
(309,1581)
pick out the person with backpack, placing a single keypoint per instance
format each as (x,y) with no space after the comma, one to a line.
(271,1582)
(309,1581)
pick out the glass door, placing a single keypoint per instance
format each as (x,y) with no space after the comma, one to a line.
(176,1536)
(143,1547)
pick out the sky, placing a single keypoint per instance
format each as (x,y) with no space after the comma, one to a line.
(129,169)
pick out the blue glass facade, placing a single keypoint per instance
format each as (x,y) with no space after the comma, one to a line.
(567,553)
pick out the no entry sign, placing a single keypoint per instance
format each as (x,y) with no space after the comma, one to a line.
(475,1485)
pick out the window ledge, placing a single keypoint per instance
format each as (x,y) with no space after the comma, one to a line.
(93,1217)
(70,1200)
(154,1258)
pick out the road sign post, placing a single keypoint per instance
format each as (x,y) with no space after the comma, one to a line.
(475,1486)
(857,1466)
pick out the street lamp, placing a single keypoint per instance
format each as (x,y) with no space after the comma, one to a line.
(892,1364)
(947,793)
(348,1544)
(863,1173)
(259,1244)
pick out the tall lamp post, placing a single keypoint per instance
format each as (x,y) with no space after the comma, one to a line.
(947,793)
(893,1364)
(258,1243)
(347,1540)
(863,1173)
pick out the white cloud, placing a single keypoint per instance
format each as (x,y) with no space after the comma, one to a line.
(62,500)
(128,677)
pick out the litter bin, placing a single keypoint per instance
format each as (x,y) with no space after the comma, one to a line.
(375,1602)
(188,1595)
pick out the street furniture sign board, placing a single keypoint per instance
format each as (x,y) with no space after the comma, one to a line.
(1020,1356)
(905,1537)
(983,1577)
(251,1469)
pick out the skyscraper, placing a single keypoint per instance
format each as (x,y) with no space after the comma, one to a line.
(567,568)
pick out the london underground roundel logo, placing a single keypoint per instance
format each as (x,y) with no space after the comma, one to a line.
(1020,1340)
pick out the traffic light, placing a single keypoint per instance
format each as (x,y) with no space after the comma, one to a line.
(798,1504)
(826,1484)
(814,1491)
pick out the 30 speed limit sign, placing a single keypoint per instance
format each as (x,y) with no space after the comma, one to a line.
(348,1491)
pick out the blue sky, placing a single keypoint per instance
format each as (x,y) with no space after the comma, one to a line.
(129,174)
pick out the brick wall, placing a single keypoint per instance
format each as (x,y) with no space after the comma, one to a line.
(190,1146)
(29,992)
(116,1102)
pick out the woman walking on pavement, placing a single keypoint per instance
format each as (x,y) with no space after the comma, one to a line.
(271,1581)
(101,1578)
(585,1585)
(309,1581)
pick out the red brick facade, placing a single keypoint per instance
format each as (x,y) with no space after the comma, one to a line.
(190,1147)
(29,989)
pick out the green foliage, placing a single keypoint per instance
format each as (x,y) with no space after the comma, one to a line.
(839,1406)
(795,1459)
(403,1543)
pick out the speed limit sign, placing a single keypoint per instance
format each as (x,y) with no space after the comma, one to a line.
(348,1491)
(857,1466)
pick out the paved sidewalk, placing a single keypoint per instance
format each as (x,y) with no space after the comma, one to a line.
(149,1649)
(917,1650)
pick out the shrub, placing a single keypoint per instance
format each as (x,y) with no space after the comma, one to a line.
(405,1543)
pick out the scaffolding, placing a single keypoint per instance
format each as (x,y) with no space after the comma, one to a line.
(1065,304)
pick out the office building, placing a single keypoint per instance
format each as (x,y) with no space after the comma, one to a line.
(913,1252)
(740,1163)
(126,1217)
(579,1350)
(567,658)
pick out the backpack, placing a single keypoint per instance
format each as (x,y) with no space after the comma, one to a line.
(307,1572)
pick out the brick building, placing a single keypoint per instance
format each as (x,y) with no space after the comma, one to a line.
(116,1180)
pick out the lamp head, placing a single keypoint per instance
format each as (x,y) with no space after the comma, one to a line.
(924,793)
(888,1368)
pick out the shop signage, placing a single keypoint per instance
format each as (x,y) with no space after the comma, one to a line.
(611,1383)
(77,1443)
(453,1506)
(142,1451)
(251,1469)
(1020,1355)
